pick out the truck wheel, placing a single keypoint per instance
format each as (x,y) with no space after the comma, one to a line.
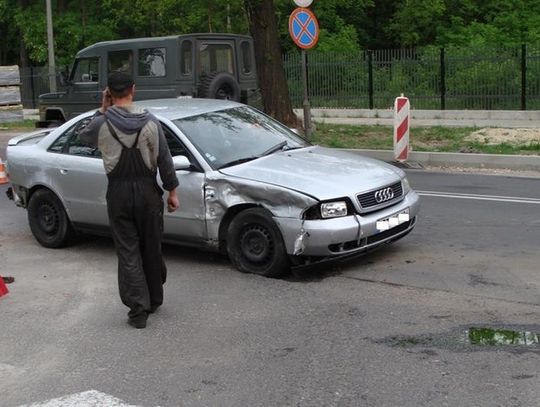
(219,85)
(255,245)
(48,220)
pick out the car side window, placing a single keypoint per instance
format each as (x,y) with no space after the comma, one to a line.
(175,146)
(76,147)
(60,142)
(69,142)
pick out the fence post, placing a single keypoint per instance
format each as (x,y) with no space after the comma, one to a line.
(370,78)
(32,87)
(523,77)
(443,81)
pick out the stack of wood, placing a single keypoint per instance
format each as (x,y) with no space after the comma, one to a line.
(11,108)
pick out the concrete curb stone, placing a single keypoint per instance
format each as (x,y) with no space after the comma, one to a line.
(462,160)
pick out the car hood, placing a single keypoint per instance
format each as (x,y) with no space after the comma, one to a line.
(322,173)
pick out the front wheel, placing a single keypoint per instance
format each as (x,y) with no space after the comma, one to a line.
(255,245)
(48,220)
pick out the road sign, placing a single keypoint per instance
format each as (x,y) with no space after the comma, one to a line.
(303,3)
(304,28)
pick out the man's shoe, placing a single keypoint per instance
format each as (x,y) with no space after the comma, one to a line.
(138,321)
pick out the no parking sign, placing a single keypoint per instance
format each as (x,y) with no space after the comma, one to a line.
(304,28)
(304,31)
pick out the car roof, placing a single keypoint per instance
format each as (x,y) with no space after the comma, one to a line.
(178,108)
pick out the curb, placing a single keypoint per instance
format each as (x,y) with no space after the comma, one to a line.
(429,118)
(462,160)
(475,123)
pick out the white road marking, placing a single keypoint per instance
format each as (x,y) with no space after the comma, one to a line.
(496,198)
(90,398)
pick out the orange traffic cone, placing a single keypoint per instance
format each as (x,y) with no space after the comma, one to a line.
(3,287)
(3,175)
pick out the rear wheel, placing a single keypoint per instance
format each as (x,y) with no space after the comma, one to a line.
(48,220)
(255,245)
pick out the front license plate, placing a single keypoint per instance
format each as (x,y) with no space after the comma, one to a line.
(393,221)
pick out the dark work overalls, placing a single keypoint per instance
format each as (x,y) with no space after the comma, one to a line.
(135,207)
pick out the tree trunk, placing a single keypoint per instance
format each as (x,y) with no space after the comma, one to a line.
(270,72)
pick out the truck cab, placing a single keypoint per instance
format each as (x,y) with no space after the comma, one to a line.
(218,66)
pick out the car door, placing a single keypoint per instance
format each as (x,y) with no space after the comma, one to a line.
(80,178)
(187,223)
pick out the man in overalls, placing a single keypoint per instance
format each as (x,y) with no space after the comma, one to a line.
(134,148)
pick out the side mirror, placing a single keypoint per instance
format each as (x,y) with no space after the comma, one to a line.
(62,79)
(181,162)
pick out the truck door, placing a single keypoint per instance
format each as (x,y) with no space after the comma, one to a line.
(84,93)
(217,70)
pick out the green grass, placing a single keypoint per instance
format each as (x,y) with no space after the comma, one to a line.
(23,125)
(437,139)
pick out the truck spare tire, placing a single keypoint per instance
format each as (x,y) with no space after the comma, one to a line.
(219,85)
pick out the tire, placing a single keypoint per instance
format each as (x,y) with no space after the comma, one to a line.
(48,220)
(255,245)
(219,85)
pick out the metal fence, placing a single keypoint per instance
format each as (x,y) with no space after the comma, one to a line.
(34,82)
(433,78)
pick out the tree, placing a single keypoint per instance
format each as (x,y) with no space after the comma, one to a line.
(268,56)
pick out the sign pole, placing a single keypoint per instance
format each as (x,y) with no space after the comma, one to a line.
(304,31)
(306,106)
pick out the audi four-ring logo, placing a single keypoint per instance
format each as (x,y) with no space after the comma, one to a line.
(384,195)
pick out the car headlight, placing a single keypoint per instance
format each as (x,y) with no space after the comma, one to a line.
(333,209)
(405,185)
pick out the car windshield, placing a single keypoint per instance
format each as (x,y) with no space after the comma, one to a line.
(232,136)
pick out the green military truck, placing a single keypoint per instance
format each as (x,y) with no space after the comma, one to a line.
(219,66)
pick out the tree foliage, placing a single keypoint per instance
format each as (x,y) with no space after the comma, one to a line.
(346,25)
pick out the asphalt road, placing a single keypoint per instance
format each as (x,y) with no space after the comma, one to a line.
(387,329)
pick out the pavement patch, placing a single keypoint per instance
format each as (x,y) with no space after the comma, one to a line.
(90,398)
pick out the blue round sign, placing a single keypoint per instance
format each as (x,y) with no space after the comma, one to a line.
(304,28)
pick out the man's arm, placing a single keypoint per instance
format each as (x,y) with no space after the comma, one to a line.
(166,169)
(89,135)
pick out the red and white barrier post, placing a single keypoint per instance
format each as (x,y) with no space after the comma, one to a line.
(401,128)
(3,287)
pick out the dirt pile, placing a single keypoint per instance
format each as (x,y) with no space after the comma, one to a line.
(513,137)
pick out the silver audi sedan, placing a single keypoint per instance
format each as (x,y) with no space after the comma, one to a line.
(249,187)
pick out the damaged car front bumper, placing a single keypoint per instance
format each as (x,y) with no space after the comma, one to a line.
(349,235)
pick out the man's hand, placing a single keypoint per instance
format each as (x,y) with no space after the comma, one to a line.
(172,201)
(106,100)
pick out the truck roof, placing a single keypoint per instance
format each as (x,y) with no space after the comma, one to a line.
(147,40)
